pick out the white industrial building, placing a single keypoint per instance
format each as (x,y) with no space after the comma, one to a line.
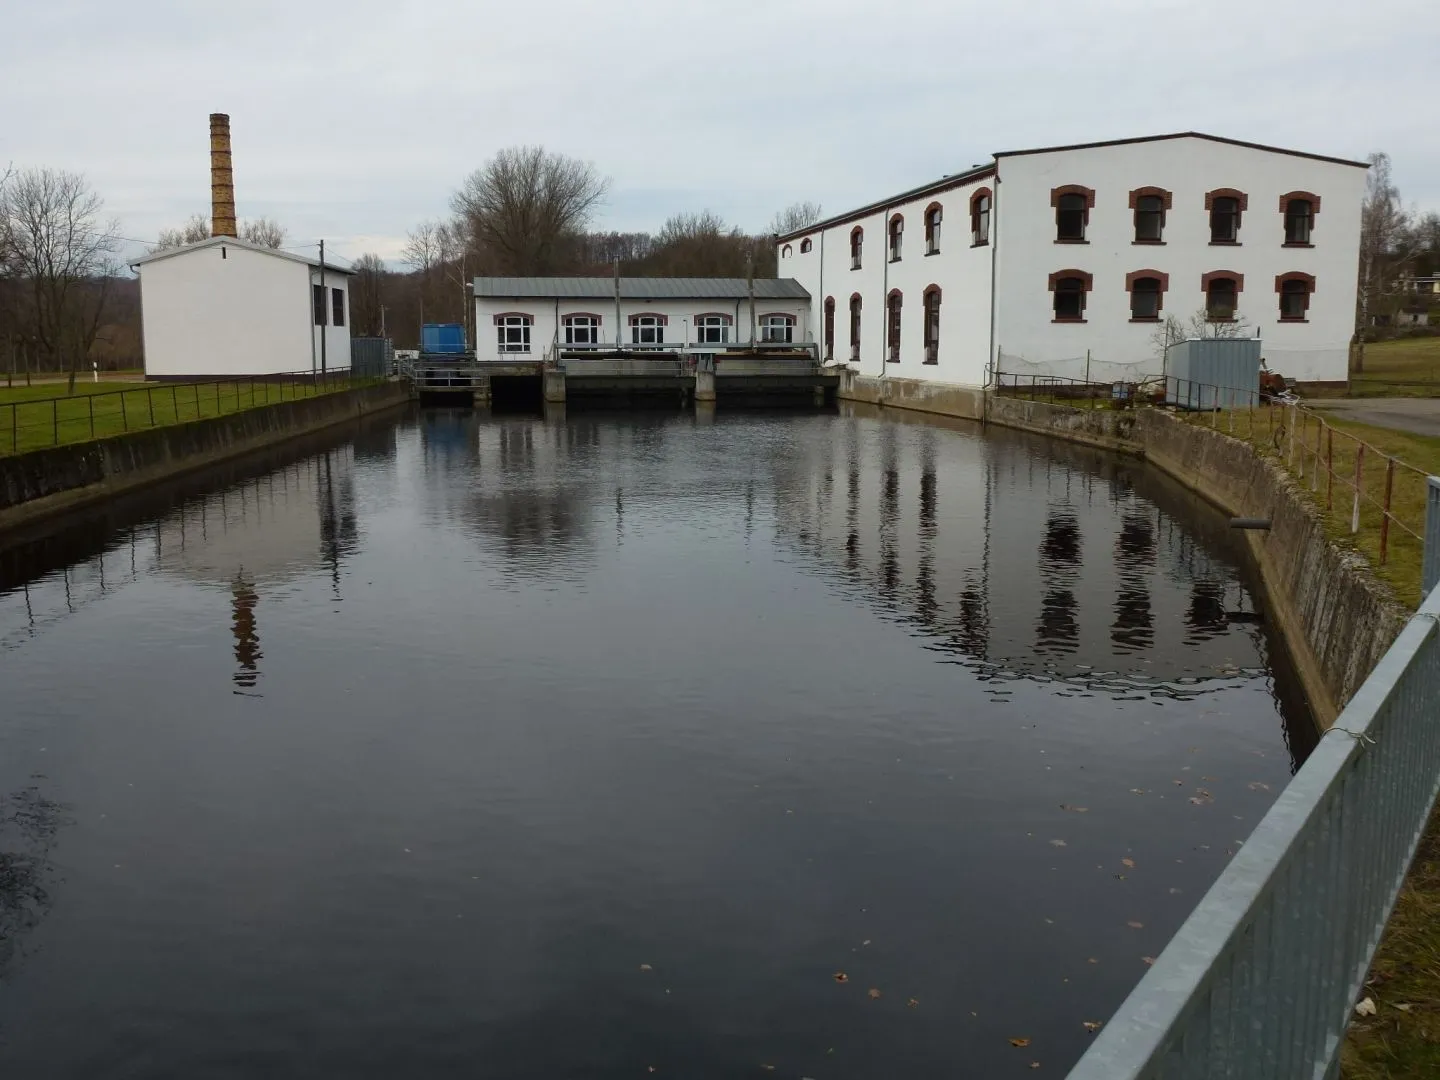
(224,307)
(521,318)
(1040,257)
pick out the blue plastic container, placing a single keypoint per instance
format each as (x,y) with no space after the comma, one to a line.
(442,338)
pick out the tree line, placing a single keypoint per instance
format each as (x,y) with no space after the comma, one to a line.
(65,301)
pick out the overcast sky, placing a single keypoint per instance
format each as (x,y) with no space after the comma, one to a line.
(355,120)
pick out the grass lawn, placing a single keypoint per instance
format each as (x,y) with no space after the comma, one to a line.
(34,417)
(1405,368)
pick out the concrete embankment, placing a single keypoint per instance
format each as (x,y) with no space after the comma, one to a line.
(64,478)
(1334,615)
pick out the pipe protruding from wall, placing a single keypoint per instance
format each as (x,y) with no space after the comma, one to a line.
(222,178)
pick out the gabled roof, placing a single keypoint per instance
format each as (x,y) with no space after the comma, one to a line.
(231,241)
(1184,135)
(637,288)
(977,172)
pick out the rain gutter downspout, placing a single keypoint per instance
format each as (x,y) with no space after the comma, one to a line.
(884,292)
(992,359)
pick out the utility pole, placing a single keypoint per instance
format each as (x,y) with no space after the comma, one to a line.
(750,287)
(324,310)
(617,304)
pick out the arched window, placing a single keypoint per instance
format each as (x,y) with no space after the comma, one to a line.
(582,328)
(712,328)
(855,326)
(647,329)
(512,330)
(933,213)
(805,246)
(829,328)
(1222,290)
(1147,294)
(1070,287)
(857,241)
(932,324)
(1226,206)
(1294,289)
(980,204)
(1072,204)
(897,234)
(786,251)
(893,304)
(1150,204)
(777,327)
(1299,208)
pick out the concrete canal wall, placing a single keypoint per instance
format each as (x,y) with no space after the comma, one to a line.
(1334,615)
(67,477)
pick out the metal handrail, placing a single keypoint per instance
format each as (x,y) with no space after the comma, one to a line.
(189,399)
(1260,980)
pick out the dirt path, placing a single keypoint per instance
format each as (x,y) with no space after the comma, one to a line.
(1419,416)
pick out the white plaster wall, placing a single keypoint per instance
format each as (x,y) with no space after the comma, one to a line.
(962,272)
(1027,252)
(243,314)
(337,338)
(550,314)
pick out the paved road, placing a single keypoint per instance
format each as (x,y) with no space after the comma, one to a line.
(1420,416)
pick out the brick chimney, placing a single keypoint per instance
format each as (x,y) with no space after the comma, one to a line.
(222,178)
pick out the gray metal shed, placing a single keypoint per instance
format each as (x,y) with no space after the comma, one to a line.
(1213,373)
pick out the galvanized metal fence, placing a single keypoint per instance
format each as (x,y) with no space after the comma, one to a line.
(35,423)
(1261,979)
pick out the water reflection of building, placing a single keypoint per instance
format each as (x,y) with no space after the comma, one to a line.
(1034,559)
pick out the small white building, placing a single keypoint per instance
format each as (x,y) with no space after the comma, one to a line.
(1039,257)
(225,307)
(523,317)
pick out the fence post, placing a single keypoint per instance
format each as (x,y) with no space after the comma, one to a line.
(1385,516)
(90,398)
(197,401)
(1315,472)
(14,427)
(1359,478)
(55,421)
(1295,418)
(175,401)
(217,399)
(150,400)
(124,416)
(1430,572)
(1329,468)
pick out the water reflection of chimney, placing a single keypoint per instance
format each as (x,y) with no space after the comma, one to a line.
(925,577)
(889,520)
(247,639)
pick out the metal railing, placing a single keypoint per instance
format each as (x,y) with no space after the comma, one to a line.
(39,423)
(1260,981)
(1430,562)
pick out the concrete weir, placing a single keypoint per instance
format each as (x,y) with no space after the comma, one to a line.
(1334,615)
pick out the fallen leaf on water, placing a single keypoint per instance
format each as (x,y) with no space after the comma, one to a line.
(915,1001)
(1135,925)
(1198,801)
(1256,785)
(1128,862)
(646,967)
(1091,1026)
(1034,1064)
(1203,793)
(865,942)
(649,1068)
(1019,1042)
(767,1068)
(1075,809)
(872,993)
(841,977)
(1057,843)
(1119,877)
(1093,960)
(1148,959)
(1366,1007)
(1176,892)
(1137,791)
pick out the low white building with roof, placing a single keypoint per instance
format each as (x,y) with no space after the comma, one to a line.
(226,307)
(524,317)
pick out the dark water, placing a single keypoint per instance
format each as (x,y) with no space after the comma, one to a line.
(514,747)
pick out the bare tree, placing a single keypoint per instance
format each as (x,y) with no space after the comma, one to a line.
(1384,228)
(524,206)
(65,257)
(1198,325)
(264,231)
(423,253)
(793,218)
(367,295)
(195,229)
